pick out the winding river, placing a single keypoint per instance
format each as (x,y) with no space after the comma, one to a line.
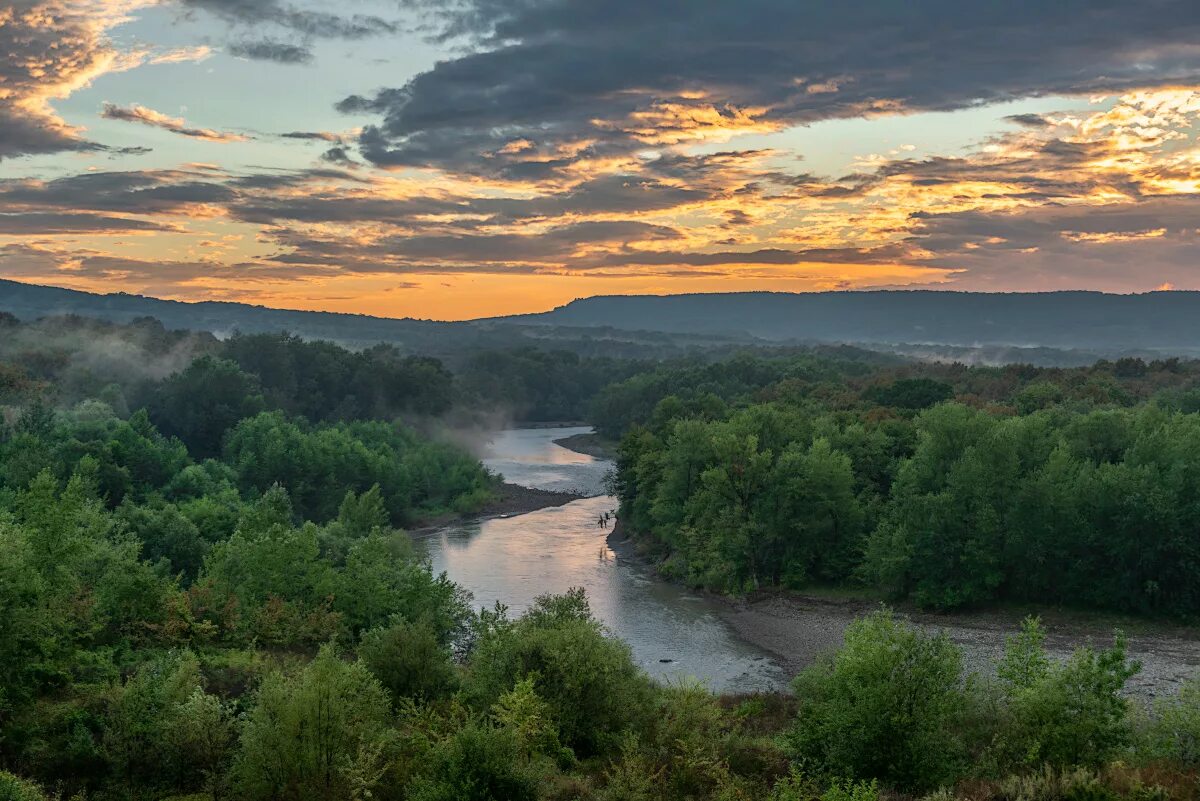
(675,634)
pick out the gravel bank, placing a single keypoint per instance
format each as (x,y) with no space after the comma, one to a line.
(589,444)
(797,629)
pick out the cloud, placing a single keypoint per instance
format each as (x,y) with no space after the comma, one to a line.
(159,192)
(182,55)
(52,48)
(156,119)
(294,20)
(310,22)
(579,79)
(48,223)
(271,50)
(323,136)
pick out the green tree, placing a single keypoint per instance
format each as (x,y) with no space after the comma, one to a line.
(311,735)
(589,680)
(884,707)
(205,400)
(1062,714)
(409,660)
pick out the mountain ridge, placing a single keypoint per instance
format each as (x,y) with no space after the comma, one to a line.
(1166,321)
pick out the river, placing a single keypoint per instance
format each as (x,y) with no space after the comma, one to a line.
(675,634)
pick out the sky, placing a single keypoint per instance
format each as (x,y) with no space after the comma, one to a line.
(453,159)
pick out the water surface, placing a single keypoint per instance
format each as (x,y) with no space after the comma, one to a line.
(674,633)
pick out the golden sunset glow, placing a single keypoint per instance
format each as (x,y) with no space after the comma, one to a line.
(712,174)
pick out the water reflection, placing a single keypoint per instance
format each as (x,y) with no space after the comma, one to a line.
(674,633)
(529,457)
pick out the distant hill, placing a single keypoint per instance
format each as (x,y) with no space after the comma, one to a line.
(29,301)
(1063,327)
(426,337)
(1092,321)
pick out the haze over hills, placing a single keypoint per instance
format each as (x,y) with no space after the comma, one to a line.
(425,337)
(1093,320)
(1091,323)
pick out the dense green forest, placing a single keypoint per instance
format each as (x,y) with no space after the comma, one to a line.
(206,591)
(949,485)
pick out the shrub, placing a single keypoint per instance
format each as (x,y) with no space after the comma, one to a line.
(588,678)
(1063,714)
(884,706)
(1174,729)
(14,788)
(408,660)
(478,763)
(319,734)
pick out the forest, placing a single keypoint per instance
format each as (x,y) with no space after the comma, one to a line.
(944,485)
(207,591)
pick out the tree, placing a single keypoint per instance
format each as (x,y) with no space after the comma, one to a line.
(409,660)
(588,679)
(205,400)
(1062,714)
(313,734)
(884,707)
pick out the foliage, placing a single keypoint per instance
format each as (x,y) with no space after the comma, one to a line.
(1173,732)
(1062,714)
(409,660)
(586,677)
(311,735)
(885,707)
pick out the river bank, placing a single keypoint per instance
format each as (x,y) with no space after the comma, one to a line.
(797,628)
(589,444)
(508,500)
(675,634)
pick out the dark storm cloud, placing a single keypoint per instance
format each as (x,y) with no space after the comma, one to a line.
(547,70)
(148,192)
(272,50)
(46,223)
(306,23)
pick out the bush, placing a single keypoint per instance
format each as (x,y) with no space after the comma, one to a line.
(478,763)
(884,707)
(1174,729)
(14,788)
(588,678)
(408,660)
(317,735)
(798,787)
(1062,714)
